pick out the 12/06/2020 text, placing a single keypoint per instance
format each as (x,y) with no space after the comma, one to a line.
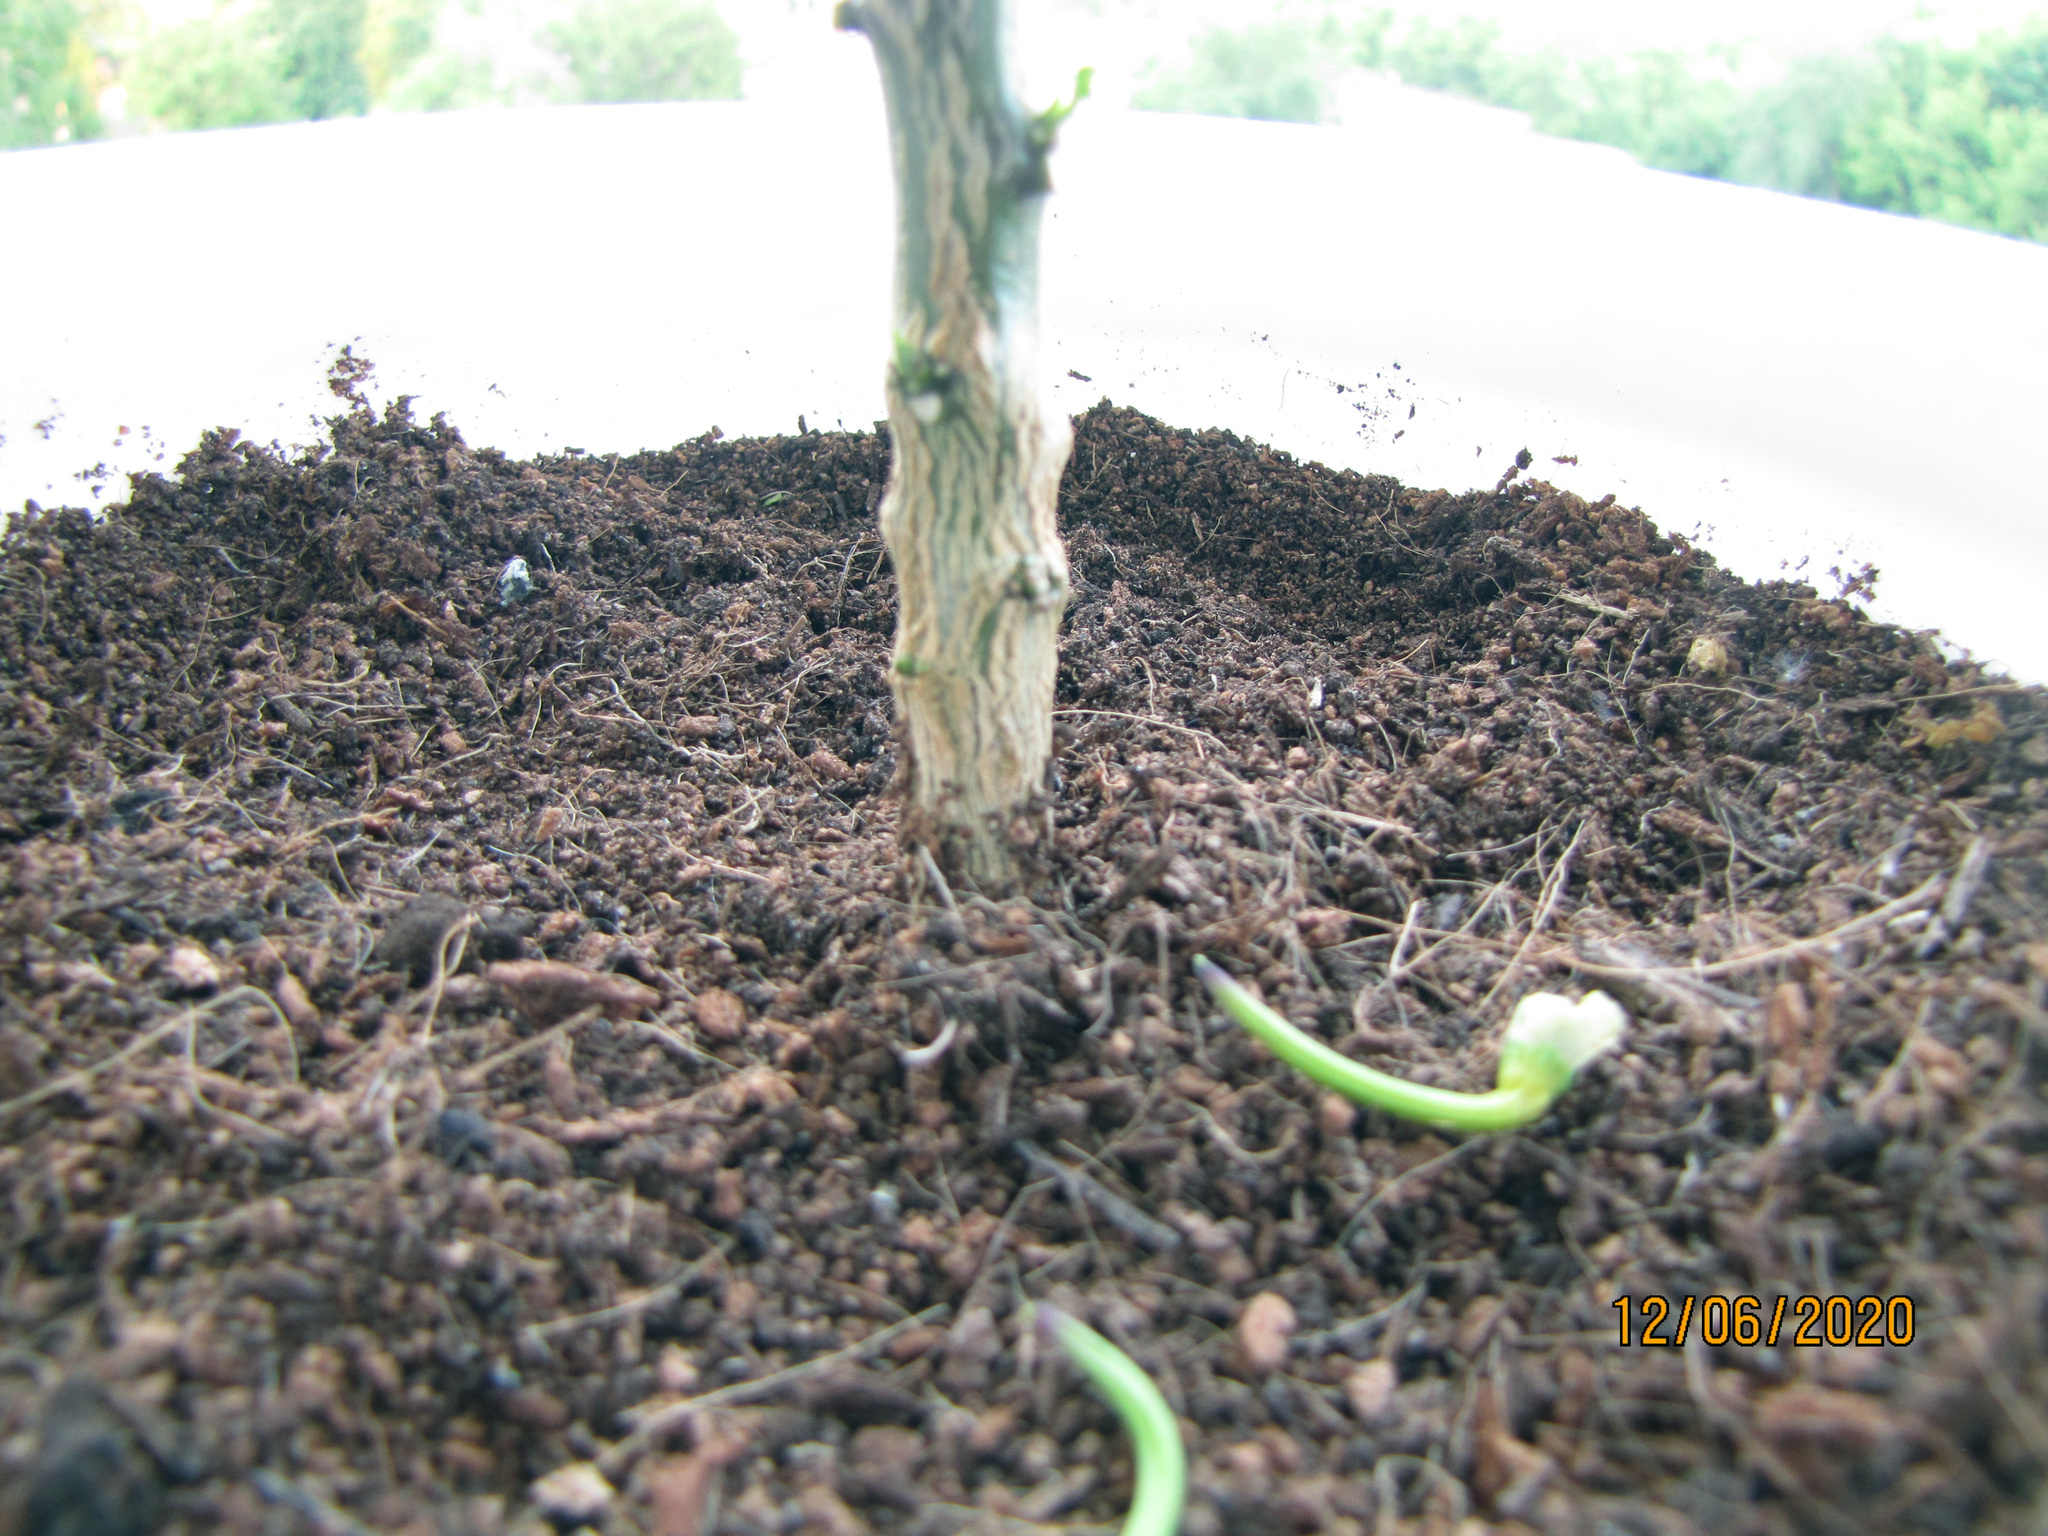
(1669,1322)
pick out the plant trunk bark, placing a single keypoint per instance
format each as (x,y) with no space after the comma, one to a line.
(969,513)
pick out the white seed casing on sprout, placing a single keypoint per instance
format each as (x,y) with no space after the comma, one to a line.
(1575,1032)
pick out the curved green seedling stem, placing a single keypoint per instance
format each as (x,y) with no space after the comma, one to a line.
(1548,1039)
(1162,1463)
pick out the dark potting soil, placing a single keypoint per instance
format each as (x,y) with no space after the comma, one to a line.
(459,1049)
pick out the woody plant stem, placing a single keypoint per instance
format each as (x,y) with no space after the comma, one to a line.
(968,516)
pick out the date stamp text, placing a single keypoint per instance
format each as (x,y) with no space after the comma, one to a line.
(1807,1321)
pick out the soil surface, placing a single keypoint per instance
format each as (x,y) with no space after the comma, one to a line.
(472,1060)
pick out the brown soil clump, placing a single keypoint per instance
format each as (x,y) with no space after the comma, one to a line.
(464,1035)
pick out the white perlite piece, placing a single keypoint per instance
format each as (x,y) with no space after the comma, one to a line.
(189,968)
(515,583)
(577,1492)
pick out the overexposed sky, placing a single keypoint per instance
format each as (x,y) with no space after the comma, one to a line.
(1118,38)
(785,45)
(1609,24)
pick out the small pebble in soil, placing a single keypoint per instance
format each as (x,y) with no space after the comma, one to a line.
(462,1139)
(675,1371)
(502,935)
(576,1494)
(719,1014)
(756,1231)
(1336,1114)
(189,969)
(412,936)
(92,1477)
(1708,657)
(136,810)
(1369,1389)
(515,583)
(1263,1331)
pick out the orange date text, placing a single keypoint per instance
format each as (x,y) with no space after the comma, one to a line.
(1807,1322)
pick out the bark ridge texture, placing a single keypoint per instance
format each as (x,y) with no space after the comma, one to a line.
(969,515)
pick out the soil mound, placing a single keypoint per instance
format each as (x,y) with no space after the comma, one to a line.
(466,1032)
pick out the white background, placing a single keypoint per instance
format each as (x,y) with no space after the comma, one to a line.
(1797,382)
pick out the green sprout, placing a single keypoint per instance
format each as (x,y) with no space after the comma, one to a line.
(1162,1463)
(1549,1039)
(1045,127)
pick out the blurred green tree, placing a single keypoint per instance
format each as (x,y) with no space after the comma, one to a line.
(647,50)
(1957,134)
(445,81)
(1279,72)
(320,52)
(218,71)
(1464,58)
(287,61)
(397,34)
(1652,104)
(1791,133)
(49,74)
(269,61)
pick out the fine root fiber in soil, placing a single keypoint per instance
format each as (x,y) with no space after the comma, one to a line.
(474,1057)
